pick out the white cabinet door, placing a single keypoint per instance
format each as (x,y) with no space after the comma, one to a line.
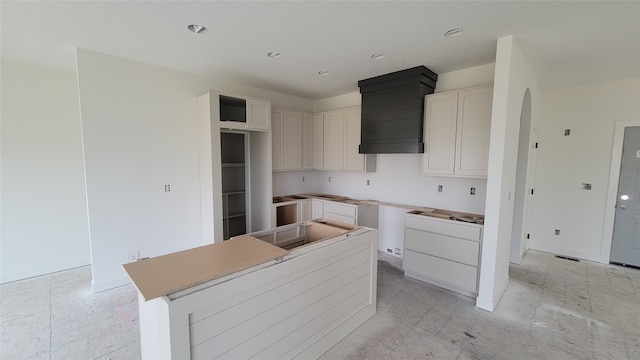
(305,210)
(317,209)
(307,141)
(318,141)
(457,130)
(440,134)
(258,112)
(474,126)
(276,139)
(353,160)
(334,140)
(292,140)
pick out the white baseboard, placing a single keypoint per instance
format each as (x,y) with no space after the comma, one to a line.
(490,304)
(395,261)
(44,270)
(110,284)
(565,252)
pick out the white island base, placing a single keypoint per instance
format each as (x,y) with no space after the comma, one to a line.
(295,307)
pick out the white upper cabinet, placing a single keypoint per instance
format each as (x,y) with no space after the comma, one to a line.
(307,141)
(276,139)
(334,140)
(440,134)
(244,113)
(258,114)
(342,141)
(318,141)
(353,160)
(292,140)
(324,141)
(457,129)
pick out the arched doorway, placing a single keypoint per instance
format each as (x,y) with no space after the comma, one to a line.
(524,177)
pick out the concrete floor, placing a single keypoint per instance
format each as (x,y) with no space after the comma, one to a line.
(552,309)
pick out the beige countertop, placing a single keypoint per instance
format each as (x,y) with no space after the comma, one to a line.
(169,273)
(416,210)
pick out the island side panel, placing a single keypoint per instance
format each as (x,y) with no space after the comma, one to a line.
(300,307)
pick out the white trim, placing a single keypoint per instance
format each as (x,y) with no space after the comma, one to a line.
(110,284)
(21,275)
(490,304)
(533,245)
(614,177)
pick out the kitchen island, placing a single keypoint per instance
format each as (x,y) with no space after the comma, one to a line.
(270,303)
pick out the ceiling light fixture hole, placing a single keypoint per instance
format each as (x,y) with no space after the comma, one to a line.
(274,54)
(323,72)
(197,29)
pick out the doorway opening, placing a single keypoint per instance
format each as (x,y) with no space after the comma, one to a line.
(612,193)
(523,200)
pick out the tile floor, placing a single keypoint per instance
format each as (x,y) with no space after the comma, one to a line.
(552,309)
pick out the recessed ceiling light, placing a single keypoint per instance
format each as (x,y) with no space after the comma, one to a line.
(377,56)
(323,72)
(454,32)
(198,29)
(274,54)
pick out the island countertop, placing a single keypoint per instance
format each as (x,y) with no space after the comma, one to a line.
(173,272)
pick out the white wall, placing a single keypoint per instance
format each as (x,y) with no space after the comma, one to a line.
(565,162)
(398,178)
(140,133)
(512,78)
(44,214)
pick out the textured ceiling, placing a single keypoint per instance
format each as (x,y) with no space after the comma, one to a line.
(567,43)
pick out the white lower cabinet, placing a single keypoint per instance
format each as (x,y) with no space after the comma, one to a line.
(345,213)
(305,210)
(443,252)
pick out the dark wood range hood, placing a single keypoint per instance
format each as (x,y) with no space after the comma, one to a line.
(393,111)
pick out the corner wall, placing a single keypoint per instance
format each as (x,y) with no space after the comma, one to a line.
(590,112)
(139,125)
(44,215)
(513,77)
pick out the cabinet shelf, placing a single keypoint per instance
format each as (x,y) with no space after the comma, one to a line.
(231,216)
(232,165)
(231,193)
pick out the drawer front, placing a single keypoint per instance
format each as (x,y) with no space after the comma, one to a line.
(440,270)
(342,209)
(348,220)
(444,227)
(459,250)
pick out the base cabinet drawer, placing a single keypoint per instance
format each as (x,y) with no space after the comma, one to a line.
(445,227)
(441,272)
(458,250)
(342,209)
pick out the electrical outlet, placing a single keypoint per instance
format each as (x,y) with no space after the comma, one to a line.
(167,188)
(368,182)
(134,256)
(472,191)
(557,232)
(303,179)
(329,178)
(439,188)
(397,252)
(389,251)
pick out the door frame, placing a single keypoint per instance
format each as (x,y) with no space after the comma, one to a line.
(612,193)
